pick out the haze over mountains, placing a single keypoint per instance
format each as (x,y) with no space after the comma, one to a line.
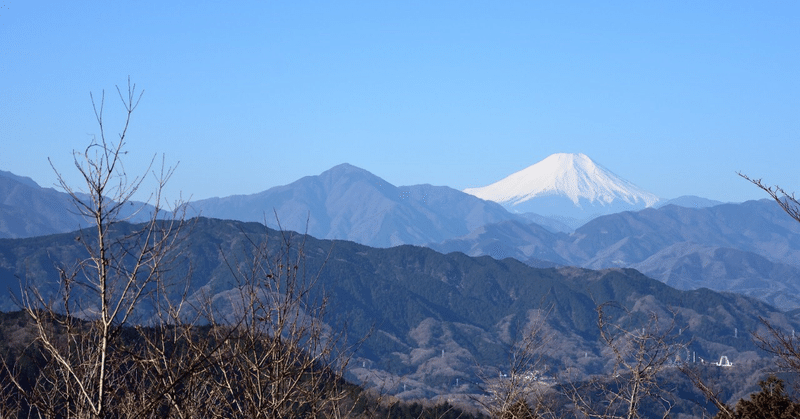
(350,203)
(688,242)
(435,311)
(27,209)
(346,202)
(436,323)
(750,248)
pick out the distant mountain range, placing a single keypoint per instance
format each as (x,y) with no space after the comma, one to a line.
(751,248)
(350,203)
(688,242)
(438,315)
(28,210)
(437,322)
(688,201)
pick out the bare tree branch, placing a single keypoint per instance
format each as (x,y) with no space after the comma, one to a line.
(785,200)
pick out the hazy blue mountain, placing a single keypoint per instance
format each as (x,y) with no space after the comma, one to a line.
(752,247)
(688,201)
(550,223)
(691,266)
(21,179)
(350,203)
(437,317)
(521,241)
(28,210)
(759,227)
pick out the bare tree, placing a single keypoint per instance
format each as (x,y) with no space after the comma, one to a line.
(10,402)
(786,347)
(521,393)
(259,350)
(639,357)
(785,200)
(713,395)
(79,328)
(121,338)
(278,359)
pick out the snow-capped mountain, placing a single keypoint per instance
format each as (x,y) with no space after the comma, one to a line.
(567,186)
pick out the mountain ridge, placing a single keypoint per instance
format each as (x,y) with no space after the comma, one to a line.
(350,203)
(432,318)
(660,241)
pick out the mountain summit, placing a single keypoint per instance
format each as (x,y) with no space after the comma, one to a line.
(568,186)
(350,203)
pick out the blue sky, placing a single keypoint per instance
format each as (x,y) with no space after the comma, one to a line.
(673,96)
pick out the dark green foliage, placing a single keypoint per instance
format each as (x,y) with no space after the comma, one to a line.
(771,402)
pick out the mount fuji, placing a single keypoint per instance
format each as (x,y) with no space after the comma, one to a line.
(568,187)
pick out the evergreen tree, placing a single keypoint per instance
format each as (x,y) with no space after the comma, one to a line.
(770,403)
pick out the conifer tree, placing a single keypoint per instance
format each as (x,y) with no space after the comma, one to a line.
(771,402)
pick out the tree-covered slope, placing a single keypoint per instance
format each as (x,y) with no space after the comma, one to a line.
(430,318)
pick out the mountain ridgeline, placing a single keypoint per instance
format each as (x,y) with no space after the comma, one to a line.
(750,248)
(28,210)
(349,203)
(688,242)
(436,323)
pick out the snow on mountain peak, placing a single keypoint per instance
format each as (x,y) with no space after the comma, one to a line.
(571,175)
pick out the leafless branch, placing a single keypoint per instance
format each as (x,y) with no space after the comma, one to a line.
(785,200)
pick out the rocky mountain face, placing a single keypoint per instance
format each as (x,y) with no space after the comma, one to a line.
(437,323)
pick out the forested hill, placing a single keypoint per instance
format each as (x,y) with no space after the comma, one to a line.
(434,318)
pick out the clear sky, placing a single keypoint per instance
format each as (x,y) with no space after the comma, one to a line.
(675,96)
